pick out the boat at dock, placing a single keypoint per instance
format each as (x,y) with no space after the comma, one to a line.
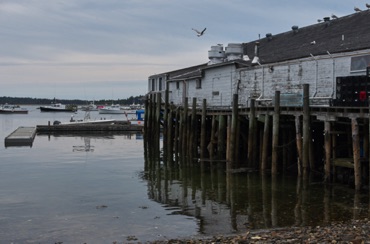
(109,126)
(12,109)
(139,120)
(90,125)
(86,120)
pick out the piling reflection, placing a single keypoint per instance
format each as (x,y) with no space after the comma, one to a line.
(87,147)
(227,202)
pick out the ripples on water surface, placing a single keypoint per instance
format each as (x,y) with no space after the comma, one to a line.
(97,188)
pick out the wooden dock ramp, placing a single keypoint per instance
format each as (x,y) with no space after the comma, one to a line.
(22,136)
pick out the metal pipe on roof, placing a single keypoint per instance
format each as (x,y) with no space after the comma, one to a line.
(332,93)
(317,74)
(263,85)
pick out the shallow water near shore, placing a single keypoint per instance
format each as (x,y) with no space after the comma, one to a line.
(99,188)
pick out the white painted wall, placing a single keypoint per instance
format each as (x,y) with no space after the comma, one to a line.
(260,82)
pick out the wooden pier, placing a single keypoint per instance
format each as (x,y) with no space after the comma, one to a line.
(22,136)
(304,140)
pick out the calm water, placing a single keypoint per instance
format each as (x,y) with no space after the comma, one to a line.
(98,188)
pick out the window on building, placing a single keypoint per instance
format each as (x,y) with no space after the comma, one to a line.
(178,85)
(160,84)
(153,84)
(198,84)
(360,63)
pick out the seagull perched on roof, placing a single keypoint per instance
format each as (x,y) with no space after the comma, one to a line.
(333,16)
(357,9)
(367,5)
(199,33)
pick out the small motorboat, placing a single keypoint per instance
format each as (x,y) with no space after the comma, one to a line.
(58,107)
(12,109)
(90,107)
(113,109)
(139,120)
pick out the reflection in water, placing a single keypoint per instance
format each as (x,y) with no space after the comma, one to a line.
(225,202)
(85,148)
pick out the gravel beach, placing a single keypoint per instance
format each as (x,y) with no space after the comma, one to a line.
(355,231)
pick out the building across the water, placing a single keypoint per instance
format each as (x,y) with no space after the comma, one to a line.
(331,56)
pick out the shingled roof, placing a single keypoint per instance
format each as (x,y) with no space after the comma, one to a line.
(348,33)
(181,74)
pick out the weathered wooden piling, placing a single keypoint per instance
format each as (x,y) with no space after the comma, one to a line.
(193,130)
(306,130)
(327,138)
(212,143)
(265,143)
(369,139)
(157,127)
(184,125)
(165,119)
(170,130)
(275,133)
(203,130)
(177,133)
(298,143)
(356,153)
(146,119)
(221,142)
(234,124)
(252,127)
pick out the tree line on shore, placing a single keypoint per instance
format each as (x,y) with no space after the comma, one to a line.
(42,101)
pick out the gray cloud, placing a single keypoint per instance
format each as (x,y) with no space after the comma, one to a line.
(93,41)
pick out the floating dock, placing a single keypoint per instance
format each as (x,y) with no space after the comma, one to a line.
(22,136)
(88,127)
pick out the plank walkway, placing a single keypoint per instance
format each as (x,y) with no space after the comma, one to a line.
(22,136)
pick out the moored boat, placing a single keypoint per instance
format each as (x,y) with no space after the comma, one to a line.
(90,107)
(58,107)
(12,109)
(113,109)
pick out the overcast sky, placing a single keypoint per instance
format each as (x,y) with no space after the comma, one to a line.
(107,49)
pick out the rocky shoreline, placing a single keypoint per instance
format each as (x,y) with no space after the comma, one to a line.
(355,231)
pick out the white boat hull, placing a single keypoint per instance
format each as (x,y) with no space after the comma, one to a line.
(111,111)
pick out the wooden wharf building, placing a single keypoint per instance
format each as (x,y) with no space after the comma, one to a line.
(296,101)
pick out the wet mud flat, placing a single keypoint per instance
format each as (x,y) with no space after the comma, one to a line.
(355,231)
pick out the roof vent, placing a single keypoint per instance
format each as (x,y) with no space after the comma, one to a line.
(327,21)
(234,51)
(295,28)
(269,36)
(216,54)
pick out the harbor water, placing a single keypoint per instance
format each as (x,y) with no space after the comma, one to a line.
(100,188)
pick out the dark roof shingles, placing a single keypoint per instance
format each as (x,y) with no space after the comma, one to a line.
(345,34)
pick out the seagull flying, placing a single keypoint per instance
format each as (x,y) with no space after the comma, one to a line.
(357,9)
(199,33)
(368,5)
(334,16)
